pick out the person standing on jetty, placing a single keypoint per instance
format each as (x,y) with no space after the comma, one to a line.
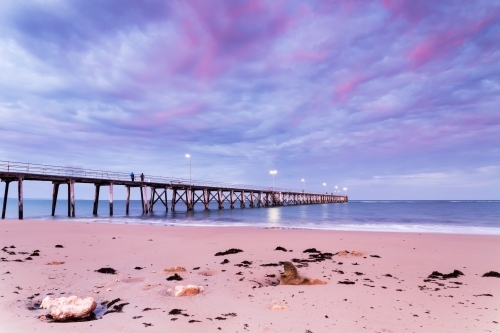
(142,177)
(132,176)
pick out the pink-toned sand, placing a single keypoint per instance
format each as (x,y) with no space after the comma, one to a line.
(375,303)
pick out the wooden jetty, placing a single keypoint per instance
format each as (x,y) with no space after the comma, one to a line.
(186,191)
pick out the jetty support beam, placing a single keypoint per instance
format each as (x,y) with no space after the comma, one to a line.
(110,199)
(20,196)
(4,207)
(127,202)
(96,198)
(55,191)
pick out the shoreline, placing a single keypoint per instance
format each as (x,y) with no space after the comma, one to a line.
(367,227)
(374,302)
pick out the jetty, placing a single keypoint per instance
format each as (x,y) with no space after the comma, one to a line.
(186,191)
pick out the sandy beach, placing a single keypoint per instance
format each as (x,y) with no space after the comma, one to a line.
(391,289)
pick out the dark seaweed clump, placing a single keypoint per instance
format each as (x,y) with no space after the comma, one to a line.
(175,277)
(230,251)
(311,250)
(492,274)
(244,263)
(106,270)
(270,265)
(225,261)
(437,275)
(59,246)
(347,282)
(279,248)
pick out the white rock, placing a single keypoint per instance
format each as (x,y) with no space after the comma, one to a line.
(64,308)
(188,290)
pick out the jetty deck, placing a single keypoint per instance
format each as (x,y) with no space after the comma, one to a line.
(188,192)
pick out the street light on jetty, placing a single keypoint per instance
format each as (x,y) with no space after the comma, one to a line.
(345,190)
(273,172)
(303,186)
(324,184)
(336,189)
(189,156)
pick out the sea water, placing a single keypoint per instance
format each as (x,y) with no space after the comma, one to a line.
(468,217)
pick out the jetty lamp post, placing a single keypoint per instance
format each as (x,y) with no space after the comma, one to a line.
(273,172)
(336,189)
(303,186)
(324,184)
(189,156)
(345,190)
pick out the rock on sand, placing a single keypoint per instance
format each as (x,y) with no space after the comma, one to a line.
(189,290)
(66,308)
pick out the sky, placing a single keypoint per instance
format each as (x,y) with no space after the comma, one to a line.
(390,99)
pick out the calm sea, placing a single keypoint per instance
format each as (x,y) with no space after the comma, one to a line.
(470,217)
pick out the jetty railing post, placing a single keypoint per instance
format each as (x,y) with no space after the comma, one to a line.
(96,199)
(4,207)
(110,199)
(127,202)
(20,196)
(55,191)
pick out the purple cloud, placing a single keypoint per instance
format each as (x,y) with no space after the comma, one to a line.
(331,91)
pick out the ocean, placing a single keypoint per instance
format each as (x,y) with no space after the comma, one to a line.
(462,217)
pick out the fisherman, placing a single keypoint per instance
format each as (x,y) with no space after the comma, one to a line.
(142,177)
(132,176)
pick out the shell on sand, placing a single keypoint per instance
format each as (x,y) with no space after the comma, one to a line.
(350,254)
(279,307)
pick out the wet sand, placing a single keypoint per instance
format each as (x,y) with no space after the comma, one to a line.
(391,290)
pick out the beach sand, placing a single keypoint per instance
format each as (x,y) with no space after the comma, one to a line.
(243,302)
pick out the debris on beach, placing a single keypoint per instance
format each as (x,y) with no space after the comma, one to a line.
(280,248)
(175,312)
(483,295)
(438,275)
(244,263)
(175,277)
(116,308)
(225,261)
(176,269)
(347,282)
(230,251)
(492,274)
(189,290)
(106,270)
(55,263)
(69,308)
(59,246)
(291,276)
(311,250)
(375,256)
(271,265)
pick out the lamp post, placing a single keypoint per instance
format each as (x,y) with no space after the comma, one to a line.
(303,186)
(189,156)
(336,189)
(324,184)
(345,190)
(273,172)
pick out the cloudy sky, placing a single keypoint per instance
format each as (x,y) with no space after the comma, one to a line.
(391,99)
